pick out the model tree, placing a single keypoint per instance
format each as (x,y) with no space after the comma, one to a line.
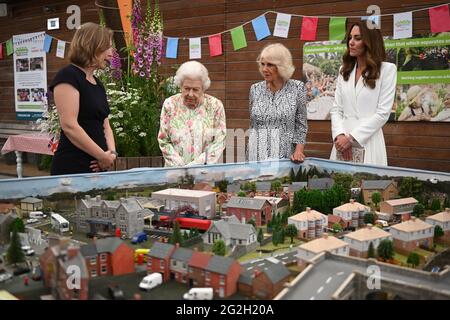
(413,259)
(176,236)
(222,185)
(291,232)
(185,236)
(336,227)
(300,198)
(275,237)
(369,218)
(360,198)
(385,250)
(252,222)
(418,210)
(15,254)
(410,187)
(219,248)
(371,251)
(241,194)
(376,198)
(260,237)
(292,175)
(446,202)
(436,205)
(17,225)
(276,186)
(438,232)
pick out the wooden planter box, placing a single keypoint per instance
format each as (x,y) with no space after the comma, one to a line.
(125,163)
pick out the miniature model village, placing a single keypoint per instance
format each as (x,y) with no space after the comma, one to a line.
(231,239)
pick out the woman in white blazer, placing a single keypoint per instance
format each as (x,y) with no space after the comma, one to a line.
(364,97)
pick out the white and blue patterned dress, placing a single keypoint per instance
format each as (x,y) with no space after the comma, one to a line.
(277,120)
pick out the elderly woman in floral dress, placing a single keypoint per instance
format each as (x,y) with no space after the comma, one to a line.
(193,127)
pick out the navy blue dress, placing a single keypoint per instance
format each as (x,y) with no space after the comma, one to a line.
(94,108)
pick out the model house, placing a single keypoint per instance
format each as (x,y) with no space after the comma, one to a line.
(264,282)
(361,239)
(196,266)
(95,215)
(352,213)
(309,250)
(279,205)
(332,219)
(387,189)
(441,219)
(8,207)
(321,184)
(57,264)
(310,223)
(222,274)
(108,257)
(412,234)
(232,232)
(263,189)
(250,208)
(30,204)
(203,201)
(294,187)
(159,259)
(399,209)
(179,264)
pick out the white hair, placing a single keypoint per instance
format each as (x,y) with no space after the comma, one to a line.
(280,56)
(192,70)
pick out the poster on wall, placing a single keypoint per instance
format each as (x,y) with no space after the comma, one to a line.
(30,75)
(423,79)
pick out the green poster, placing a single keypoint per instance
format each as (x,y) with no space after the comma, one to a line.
(337,28)
(238,38)
(9,47)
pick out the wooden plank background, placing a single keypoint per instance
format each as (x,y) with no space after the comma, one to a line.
(409,144)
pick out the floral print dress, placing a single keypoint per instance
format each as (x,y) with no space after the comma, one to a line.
(192,136)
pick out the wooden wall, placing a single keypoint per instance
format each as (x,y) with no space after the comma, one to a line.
(415,145)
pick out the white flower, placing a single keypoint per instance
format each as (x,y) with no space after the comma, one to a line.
(142,134)
(122,134)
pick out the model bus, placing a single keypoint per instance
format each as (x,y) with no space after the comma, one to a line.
(59,223)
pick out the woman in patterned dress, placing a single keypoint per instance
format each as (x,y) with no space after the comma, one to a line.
(193,127)
(278,122)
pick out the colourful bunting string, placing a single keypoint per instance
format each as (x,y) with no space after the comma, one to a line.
(337,28)
(309,28)
(172,48)
(9,47)
(439,19)
(238,38)
(215,45)
(261,27)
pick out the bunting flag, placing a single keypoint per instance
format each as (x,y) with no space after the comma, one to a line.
(125,9)
(215,45)
(439,19)
(9,47)
(337,28)
(238,38)
(60,49)
(195,48)
(261,27)
(309,28)
(282,25)
(403,25)
(172,48)
(1,51)
(47,43)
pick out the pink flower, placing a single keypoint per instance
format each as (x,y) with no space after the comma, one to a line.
(162,135)
(189,123)
(192,149)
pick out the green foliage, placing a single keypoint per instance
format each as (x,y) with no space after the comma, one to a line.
(410,187)
(176,236)
(343,179)
(219,248)
(447,202)
(275,237)
(284,218)
(418,210)
(436,205)
(291,231)
(275,186)
(260,236)
(413,259)
(376,198)
(222,185)
(242,194)
(292,175)
(371,251)
(385,250)
(17,225)
(252,222)
(360,198)
(249,187)
(15,254)
(369,218)
(438,232)
(336,227)
(185,236)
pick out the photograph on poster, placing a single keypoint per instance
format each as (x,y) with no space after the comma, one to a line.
(37,94)
(36,64)
(23,95)
(22,65)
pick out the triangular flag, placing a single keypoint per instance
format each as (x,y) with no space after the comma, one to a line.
(337,28)
(238,38)
(215,45)
(172,48)
(439,19)
(309,28)
(282,25)
(47,43)
(60,49)
(1,50)
(195,48)
(261,27)
(403,25)
(9,47)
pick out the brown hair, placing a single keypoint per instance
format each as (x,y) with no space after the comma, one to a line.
(374,51)
(88,42)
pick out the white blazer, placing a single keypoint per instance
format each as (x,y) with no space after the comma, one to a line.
(362,112)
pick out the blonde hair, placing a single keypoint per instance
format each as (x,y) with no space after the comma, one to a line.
(193,70)
(88,42)
(280,56)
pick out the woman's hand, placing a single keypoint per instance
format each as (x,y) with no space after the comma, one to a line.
(105,163)
(342,143)
(298,155)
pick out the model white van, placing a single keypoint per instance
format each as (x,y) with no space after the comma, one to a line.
(151,281)
(37,215)
(199,294)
